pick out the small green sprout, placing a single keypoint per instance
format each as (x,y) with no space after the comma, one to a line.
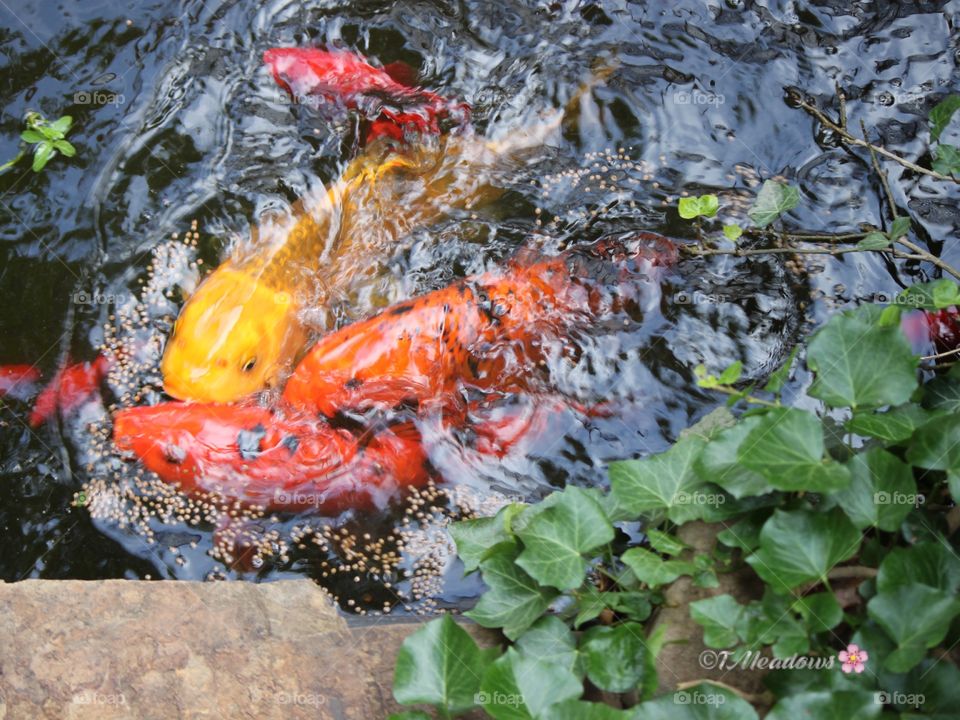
(695,207)
(48,139)
(732,232)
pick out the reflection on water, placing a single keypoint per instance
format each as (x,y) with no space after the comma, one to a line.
(177,121)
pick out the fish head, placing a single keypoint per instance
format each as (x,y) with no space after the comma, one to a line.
(234,337)
(185,442)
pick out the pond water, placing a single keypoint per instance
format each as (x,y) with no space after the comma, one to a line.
(177,121)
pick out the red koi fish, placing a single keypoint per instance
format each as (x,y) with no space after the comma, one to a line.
(69,388)
(18,381)
(264,457)
(382,96)
(488,332)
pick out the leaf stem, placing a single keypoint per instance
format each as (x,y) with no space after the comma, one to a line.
(749,398)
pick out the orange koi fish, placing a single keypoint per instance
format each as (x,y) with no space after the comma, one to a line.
(487,332)
(270,459)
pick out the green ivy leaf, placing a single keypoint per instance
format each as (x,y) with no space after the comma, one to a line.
(513,601)
(893,426)
(633,605)
(786,447)
(731,374)
(41,155)
(522,688)
(549,640)
(913,632)
(719,616)
(745,533)
(774,199)
(665,543)
(653,570)
(941,114)
(477,539)
(614,656)
(936,444)
(879,492)
(440,665)
(939,684)
(719,462)
(32,137)
(732,232)
(830,705)
(705,701)
(802,546)
(953,483)
(874,241)
(820,611)
(556,539)
(860,363)
(660,482)
(779,377)
(946,159)
(929,564)
(899,228)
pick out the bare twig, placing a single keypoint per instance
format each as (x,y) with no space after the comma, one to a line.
(881,174)
(843,108)
(853,140)
(816,237)
(929,257)
(948,353)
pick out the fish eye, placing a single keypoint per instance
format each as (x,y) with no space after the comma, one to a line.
(250,364)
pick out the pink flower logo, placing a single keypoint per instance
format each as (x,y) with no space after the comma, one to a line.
(853,659)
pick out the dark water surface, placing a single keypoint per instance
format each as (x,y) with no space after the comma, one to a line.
(177,120)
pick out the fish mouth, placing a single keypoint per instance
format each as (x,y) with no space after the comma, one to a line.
(177,392)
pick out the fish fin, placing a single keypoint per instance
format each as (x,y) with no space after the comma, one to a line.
(407,431)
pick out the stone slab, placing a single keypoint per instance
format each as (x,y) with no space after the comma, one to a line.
(122,649)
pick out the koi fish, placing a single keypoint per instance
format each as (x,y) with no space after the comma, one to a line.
(270,459)
(18,381)
(488,332)
(384,97)
(68,389)
(242,331)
